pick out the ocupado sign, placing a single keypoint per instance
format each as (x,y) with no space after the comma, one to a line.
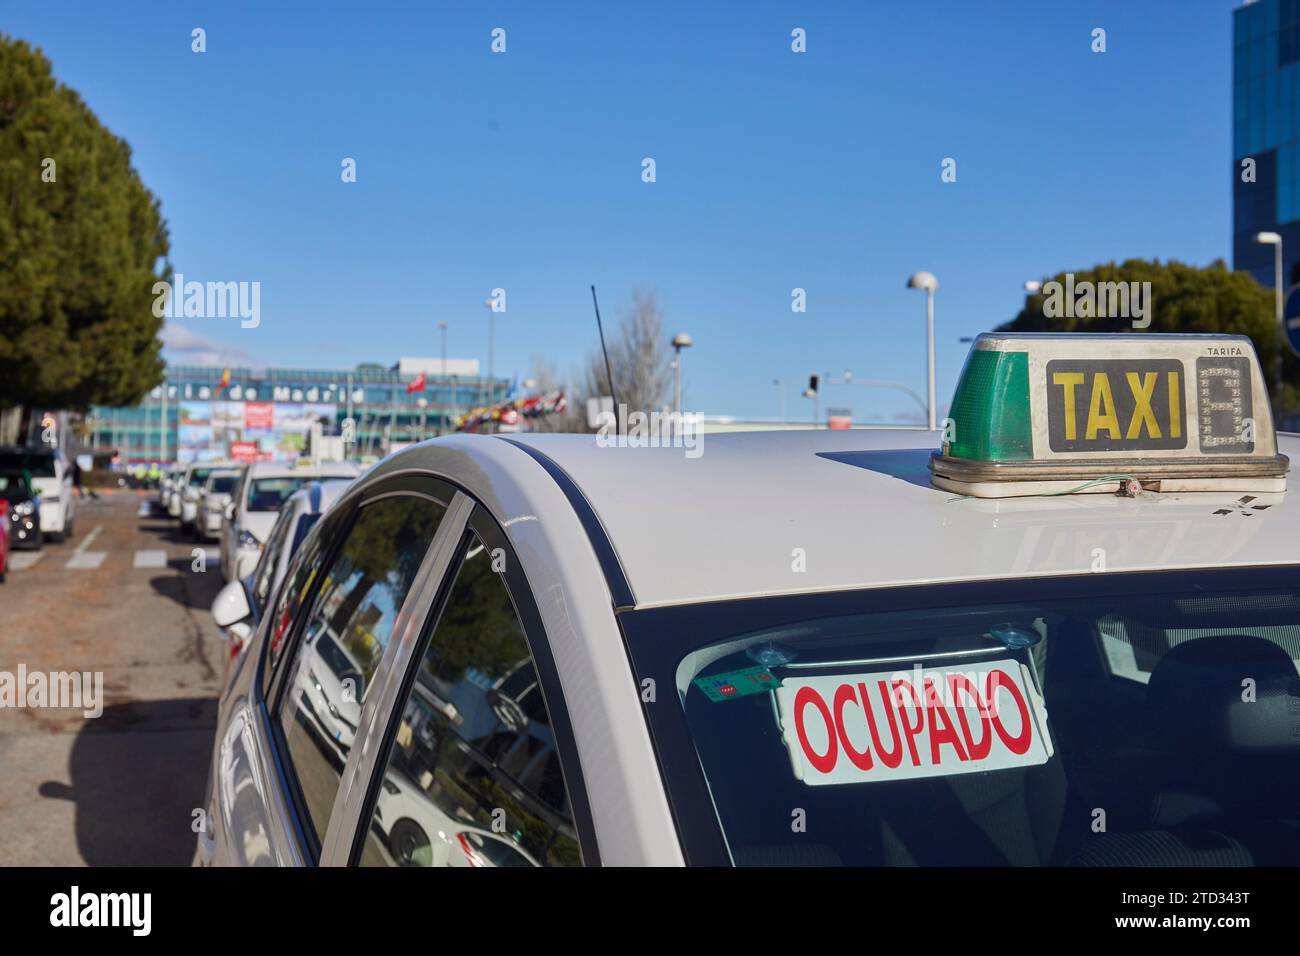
(892,725)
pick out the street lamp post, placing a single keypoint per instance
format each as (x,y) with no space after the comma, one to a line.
(442,328)
(1275,240)
(492,337)
(927,281)
(162,433)
(680,341)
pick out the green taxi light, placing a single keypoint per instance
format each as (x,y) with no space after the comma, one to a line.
(989,419)
(1058,413)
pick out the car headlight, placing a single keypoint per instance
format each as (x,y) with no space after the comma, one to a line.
(24,508)
(247,540)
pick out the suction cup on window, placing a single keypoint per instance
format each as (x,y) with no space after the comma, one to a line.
(1014,636)
(770,655)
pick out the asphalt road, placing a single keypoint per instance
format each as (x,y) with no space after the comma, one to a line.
(122,599)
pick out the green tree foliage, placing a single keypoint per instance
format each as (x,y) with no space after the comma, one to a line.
(82,242)
(1184,298)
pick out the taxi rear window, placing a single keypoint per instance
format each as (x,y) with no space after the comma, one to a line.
(1096,730)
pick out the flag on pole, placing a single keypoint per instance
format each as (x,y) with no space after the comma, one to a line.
(417,385)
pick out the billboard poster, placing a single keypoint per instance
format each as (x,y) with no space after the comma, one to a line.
(248,431)
(259,415)
(194,432)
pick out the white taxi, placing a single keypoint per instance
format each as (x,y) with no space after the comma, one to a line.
(213,498)
(1067,635)
(251,512)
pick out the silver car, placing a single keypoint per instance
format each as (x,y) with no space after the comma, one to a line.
(790,649)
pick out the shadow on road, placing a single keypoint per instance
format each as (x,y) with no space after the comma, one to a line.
(167,530)
(138,774)
(189,589)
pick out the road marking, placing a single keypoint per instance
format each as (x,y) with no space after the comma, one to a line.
(149,559)
(85,542)
(146,510)
(83,560)
(22,560)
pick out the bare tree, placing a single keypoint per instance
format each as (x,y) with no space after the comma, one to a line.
(548,379)
(638,358)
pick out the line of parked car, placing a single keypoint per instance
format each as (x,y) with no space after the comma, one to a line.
(37,498)
(237,504)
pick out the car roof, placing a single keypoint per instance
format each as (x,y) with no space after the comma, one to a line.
(319,496)
(855,509)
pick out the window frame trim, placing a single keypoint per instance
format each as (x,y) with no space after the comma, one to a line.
(482,524)
(311,847)
(425,597)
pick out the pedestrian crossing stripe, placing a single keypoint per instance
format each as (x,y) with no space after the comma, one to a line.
(86,560)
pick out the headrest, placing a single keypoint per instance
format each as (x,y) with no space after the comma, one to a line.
(1230,693)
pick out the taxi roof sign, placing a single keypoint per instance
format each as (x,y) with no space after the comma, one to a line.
(1049,413)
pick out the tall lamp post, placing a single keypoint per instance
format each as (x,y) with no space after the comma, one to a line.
(442,329)
(680,341)
(1275,240)
(927,281)
(492,337)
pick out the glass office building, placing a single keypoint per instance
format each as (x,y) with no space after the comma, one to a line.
(209,413)
(1266,126)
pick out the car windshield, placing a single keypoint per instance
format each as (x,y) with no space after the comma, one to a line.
(268,494)
(1110,729)
(38,463)
(13,487)
(223,484)
(199,475)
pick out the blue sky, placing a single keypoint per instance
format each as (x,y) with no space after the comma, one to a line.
(775,170)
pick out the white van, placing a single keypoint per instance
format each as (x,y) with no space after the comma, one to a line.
(51,479)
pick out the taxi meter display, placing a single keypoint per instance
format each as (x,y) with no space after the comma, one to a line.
(892,725)
(1050,414)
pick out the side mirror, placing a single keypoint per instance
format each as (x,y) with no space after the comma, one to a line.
(246,564)
(239,634)
(229,511)
(231,605)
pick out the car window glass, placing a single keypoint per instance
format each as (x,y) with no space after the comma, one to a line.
(303,572)
(473,777)
(268,494)
(343,640)
(264,576)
